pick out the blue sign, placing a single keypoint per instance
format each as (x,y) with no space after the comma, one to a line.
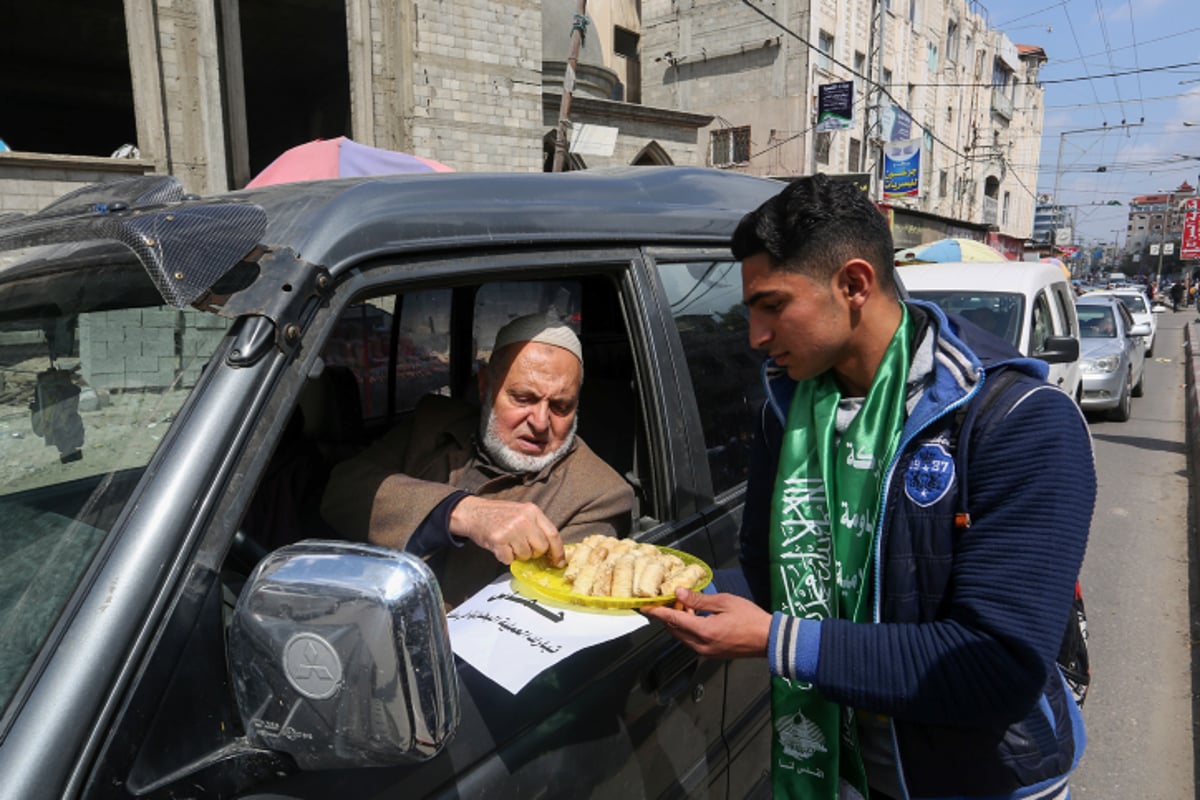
(902,169)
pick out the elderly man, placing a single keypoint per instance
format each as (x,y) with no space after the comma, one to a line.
(472,490)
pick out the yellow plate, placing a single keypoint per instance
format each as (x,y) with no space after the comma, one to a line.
(546,580)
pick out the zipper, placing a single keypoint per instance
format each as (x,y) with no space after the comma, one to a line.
(879,527)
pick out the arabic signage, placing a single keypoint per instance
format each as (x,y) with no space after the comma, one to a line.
(835,106)
(1190,248)
(902,169)
(512,638)
(895,122)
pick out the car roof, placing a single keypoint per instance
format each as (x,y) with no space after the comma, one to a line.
(1014,277)
(1097,299)
(189,243)
(332,222)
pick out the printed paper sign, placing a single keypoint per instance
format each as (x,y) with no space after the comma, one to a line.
(512,638)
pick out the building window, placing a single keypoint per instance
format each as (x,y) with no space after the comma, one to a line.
(730,146)
(860,63)
(914,12)
(887,78)
(943,180)
(825,45)
(1002,78)
(76,96)
(852,160)
(822,144)
(952,41)
(1004,208)
(625,46)
(931,56)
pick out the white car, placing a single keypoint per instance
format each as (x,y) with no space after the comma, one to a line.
(1138,304)
(1029,303)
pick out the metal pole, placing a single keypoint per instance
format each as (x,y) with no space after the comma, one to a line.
(564,109)
(1162,240)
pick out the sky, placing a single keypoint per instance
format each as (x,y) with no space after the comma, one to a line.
(1112,63)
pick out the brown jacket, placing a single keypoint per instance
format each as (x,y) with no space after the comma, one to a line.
(383,494)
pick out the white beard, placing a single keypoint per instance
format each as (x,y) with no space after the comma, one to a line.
(511,460)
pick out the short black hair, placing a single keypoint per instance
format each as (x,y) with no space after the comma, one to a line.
(814,226)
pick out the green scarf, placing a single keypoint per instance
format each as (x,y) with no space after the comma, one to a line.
(820,560)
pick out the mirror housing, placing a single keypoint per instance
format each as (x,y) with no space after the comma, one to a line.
(1060,350)
(341,657)
(1140,329)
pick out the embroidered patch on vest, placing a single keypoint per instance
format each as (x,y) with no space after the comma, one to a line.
(930,475)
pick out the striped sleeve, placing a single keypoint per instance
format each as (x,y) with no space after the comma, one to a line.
(793,647)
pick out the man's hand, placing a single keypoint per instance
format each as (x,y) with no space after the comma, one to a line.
(733,628)
(510,531)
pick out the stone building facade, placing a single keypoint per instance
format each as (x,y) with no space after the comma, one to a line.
(212,90)
(971,94)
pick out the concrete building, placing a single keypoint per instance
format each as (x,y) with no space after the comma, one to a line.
(1155,229)
(211,92)
(970,94)
(1052,224)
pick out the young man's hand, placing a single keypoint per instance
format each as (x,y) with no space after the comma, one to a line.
(727,626)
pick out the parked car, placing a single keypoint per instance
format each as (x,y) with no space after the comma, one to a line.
(1112,354)
(1029,304)
(1138,305)
(179,374)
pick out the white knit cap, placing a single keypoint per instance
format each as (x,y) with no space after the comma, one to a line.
(542,329)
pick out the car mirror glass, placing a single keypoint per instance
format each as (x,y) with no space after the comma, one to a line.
(341,657)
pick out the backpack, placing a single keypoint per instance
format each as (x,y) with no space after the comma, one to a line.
(1073,653)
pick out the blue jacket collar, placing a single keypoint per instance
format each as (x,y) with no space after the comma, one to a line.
(961,363)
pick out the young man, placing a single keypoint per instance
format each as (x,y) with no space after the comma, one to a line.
(910,613)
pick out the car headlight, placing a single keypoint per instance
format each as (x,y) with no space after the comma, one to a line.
(1100,366)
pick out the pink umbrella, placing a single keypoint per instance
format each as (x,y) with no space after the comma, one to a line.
(340,158)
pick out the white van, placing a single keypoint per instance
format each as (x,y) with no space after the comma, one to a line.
(1028,303)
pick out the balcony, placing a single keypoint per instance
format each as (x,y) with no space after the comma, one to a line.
(1001,103)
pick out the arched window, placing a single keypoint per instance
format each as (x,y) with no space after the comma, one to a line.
(652,155)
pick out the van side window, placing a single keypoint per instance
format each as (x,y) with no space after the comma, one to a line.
(1062,296)
(1043,325)
(706,303)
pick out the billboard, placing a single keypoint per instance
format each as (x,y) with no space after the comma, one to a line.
(1190,248)
(902,169)
(835,106)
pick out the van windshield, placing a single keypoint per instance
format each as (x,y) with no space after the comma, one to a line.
(998,313)
(94,368)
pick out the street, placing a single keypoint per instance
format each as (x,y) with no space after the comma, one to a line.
(1135,584)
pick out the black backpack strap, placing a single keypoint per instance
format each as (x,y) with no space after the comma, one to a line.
(965,420)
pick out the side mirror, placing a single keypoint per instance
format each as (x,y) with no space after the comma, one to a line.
(341,657)
(1140,329)
(1060,350)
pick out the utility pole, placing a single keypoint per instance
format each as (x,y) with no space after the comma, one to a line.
(578,30)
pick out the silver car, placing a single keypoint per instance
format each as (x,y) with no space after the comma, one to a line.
(1135,299)
(1112,355)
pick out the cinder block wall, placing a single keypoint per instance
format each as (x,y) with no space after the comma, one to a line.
(148,348)
(30,181)
(477,84)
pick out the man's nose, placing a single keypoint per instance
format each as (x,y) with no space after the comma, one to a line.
(760,334)
(539,416)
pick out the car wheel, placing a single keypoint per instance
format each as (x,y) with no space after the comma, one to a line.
(1125,404)
(1139,389)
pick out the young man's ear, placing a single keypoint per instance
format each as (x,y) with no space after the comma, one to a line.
(858,281)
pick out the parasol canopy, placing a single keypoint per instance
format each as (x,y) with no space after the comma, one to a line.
(1058,262)
(340,158)
(948,250)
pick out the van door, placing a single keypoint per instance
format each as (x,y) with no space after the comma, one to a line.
(1043,324)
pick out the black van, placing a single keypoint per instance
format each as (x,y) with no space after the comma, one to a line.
(179,374)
